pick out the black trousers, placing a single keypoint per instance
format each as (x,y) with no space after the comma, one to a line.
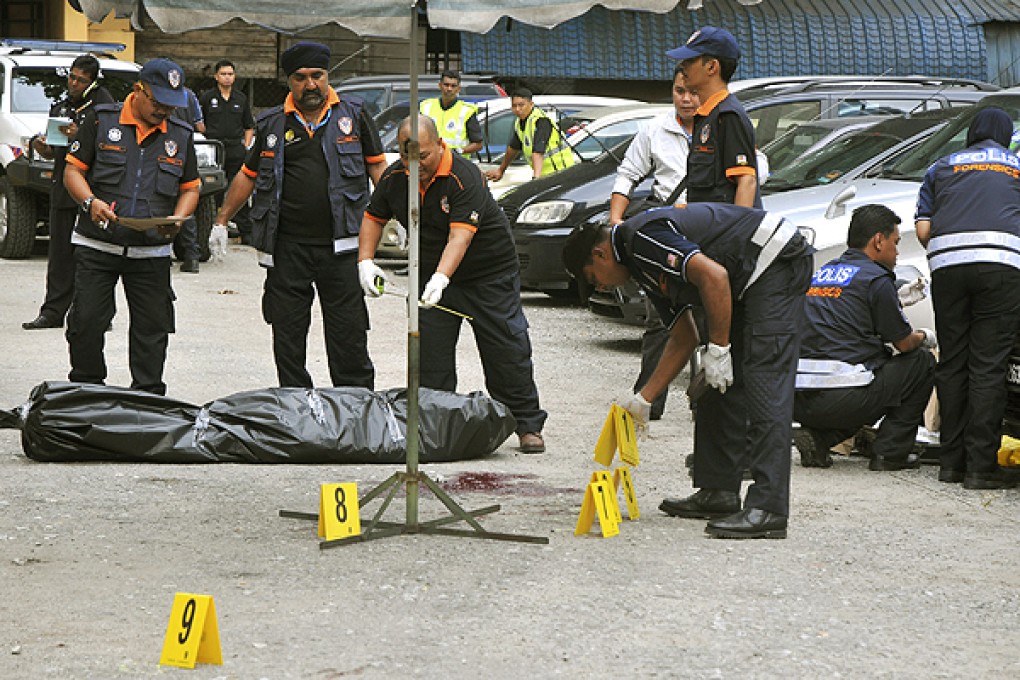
(752,422)
(150,302)
(976,315)
(501,334)
(287,307)
(900,392)
(653,342)
(233,158)
(187,240)
(59,265)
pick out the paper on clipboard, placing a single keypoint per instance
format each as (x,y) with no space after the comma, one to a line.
(54,135)
(146,223)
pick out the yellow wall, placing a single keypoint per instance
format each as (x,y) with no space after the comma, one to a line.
(72,25)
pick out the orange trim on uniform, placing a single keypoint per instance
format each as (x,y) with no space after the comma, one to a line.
(740,170)
(193,184)
(127,117)
(377,220)
(381,158)
(331,98)
(248,171)
(444,169)
(76,163)
(463,225)
(712,102)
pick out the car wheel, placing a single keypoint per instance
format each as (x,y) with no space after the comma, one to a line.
(17,221)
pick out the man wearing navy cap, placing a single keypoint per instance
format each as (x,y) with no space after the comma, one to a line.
(311,161)
(722,165)
(129,160)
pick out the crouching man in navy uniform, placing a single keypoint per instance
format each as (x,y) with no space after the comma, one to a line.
(129,160)
(749,270)
(846,378)
(968,216)
(311,161)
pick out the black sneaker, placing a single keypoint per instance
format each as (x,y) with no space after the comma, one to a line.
(813,453)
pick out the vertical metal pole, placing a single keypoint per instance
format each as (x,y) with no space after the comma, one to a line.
(413,260)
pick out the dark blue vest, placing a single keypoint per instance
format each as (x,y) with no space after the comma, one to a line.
(144,181)
(837,322)
(348,180)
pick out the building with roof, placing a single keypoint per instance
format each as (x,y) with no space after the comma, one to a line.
(977,39)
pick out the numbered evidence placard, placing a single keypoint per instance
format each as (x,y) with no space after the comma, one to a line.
(339,514)
(617,433)
(192,635)
(622,477)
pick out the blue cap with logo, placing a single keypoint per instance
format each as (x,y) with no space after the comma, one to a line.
(166,81)
(711,41)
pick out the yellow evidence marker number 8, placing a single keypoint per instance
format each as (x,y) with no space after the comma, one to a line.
(339,516)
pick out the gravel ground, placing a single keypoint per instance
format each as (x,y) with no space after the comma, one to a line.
(883,574)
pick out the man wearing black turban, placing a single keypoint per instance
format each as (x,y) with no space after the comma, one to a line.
(968,216)
(311,161)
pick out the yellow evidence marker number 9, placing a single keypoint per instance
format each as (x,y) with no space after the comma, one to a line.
(192,634)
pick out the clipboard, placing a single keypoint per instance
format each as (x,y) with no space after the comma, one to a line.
(146,223)
(54,135)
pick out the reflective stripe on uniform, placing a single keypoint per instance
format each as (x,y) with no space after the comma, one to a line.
(134,252)
(995,247)
(816,374)
(772,235)
(345,245)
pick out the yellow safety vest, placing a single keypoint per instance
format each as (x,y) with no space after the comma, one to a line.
(451,122)
(557,154)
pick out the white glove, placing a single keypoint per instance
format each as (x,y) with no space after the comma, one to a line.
(718,366)
(930,340)
(434,289)
(911,293)
(370,274)
(639,409)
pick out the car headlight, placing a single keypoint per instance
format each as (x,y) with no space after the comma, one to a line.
(546,212)
(206,155)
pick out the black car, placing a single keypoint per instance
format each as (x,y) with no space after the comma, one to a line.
(542,213)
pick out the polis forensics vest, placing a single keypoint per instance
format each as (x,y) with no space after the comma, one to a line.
(451,122)
(840,346)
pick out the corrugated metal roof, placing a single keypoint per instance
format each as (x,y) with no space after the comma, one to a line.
(778,37)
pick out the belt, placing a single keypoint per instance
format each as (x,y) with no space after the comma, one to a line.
(772,235)
(133,252)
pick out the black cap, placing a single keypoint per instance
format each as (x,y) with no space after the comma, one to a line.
(715,42)
(166,80)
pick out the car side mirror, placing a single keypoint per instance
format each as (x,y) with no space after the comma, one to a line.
(837,208)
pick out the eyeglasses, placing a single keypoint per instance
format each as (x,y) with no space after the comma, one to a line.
(71,78)
(165,108)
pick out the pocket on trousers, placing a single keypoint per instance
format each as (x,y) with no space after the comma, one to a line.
(770,341)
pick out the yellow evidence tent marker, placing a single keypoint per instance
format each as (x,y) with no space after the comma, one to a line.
(597,499)
(617,433)
(192,635)
(622,475)
(339,516)
(613,503)
(626,439)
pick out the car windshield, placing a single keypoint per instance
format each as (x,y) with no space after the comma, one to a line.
(794,143)
(845,154)
(915,163)
(36,89)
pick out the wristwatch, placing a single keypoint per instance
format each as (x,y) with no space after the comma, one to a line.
(86,205)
